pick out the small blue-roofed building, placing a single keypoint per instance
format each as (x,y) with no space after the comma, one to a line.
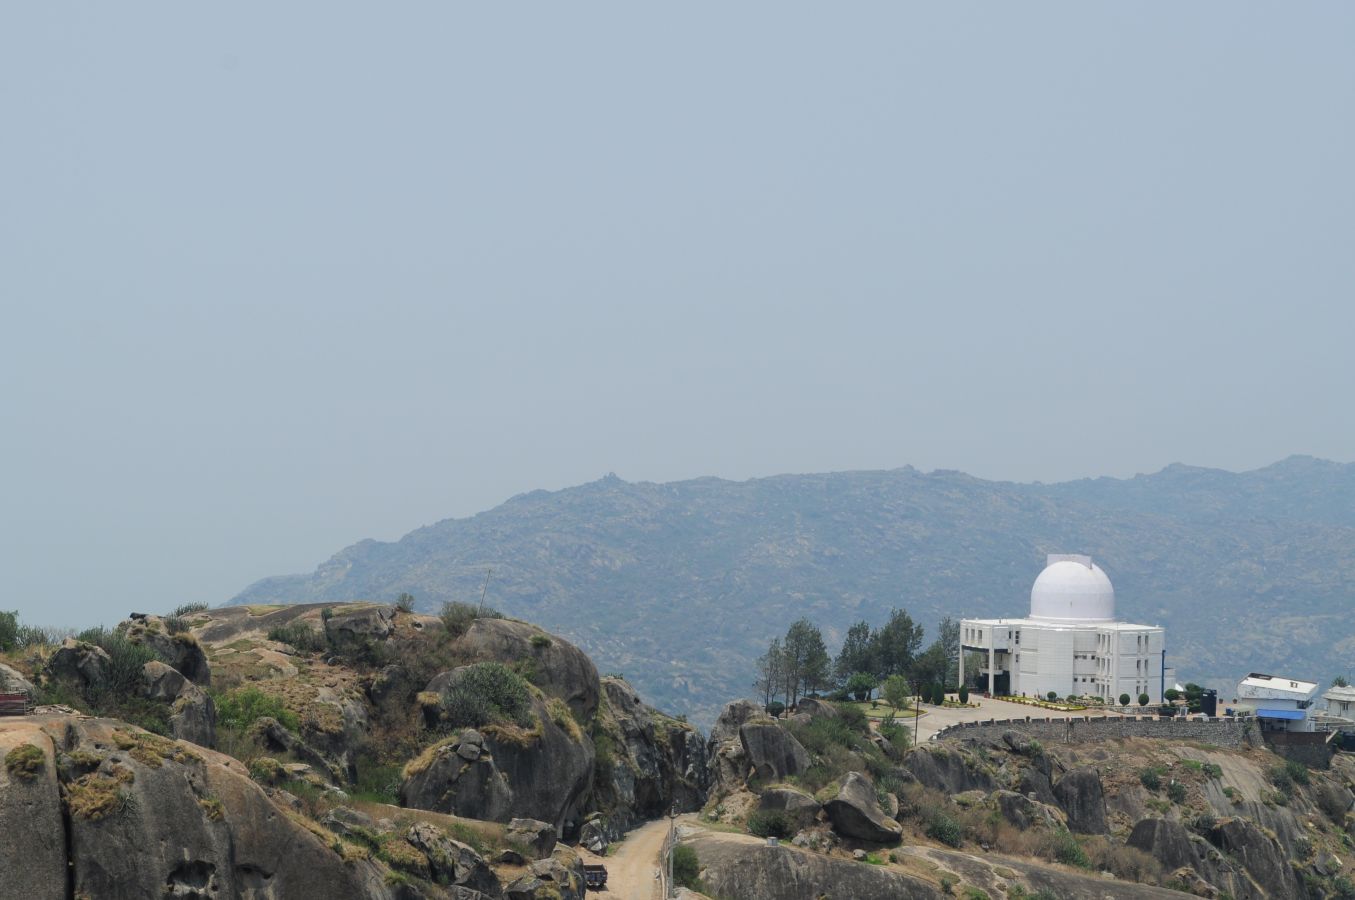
(1279,703)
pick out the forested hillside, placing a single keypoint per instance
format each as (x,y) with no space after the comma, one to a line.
(680,586)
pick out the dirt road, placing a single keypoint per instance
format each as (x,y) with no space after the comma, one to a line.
(633,863)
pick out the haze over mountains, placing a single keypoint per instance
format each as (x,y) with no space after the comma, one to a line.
(680,586)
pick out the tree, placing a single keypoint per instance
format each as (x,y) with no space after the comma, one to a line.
(806,660)
(1143,699)
(405,602)
(769,672)
(896,644)
(896,691)
(930,666)
(948,639)
(1052,696)
(861,684)
(964,694)
(1340,681)
(854,656)
(1124,699)
(1171,695)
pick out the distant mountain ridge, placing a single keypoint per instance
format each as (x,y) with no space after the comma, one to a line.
(681,585)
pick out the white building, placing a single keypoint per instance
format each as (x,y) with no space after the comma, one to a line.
(1340,702)
(1281,704)
(1070,643)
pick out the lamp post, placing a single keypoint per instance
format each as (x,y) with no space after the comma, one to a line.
(917,709)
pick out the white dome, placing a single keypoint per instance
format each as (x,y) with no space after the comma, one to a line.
(1072,589)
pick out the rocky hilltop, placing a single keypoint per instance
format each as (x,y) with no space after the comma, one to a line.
(682,585)
(338,750)
(368,751)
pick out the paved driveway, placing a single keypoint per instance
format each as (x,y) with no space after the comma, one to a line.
(934,719)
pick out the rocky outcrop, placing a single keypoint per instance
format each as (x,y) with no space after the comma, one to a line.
(772,751)
(944,768)
(501,773)
(788,800)
(192,713)
(78,662)
(135,815)
(453,862)
(730,869)
(1166,841)
(351,629)
(1259,854)
(726,765)
(855,812)
(559,668)
(13,681)
(1023,812)
(1080,796)
(180,650)
(275,737)
(32,842)
(558,878)
(533,838)
(656,762)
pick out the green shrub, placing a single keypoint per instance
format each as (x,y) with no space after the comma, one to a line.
(686,868)
(770,823)
(457,616)
(1064,848)
(1143,700)
(1052,696)
(941,827)
(1297,771)
(964,693)
(1124,699)
(405,602)
(541,641)
(1151,778)
(1176,792)
(9,631)
(1213,770)
(775,708)
(1171,695)
(300,636)
(126,660)
(487,693)
(242,707)
(188,609)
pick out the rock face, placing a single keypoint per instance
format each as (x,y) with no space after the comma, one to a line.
(855,812)
(788,800)
(757,870)
(534,838)
(944,769)
(193,715)
(79,662)
(1165,840)
(499,775)
(149,817)
(726,765)
(1260,855)
(12,680)
(353,628)
(771,750)
(453,862)
(1079,795)
(657,761)
(1023,812)
(30,815)
(562,670)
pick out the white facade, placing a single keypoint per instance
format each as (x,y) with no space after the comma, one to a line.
(1070,643)
(1340,702)
(1281,703)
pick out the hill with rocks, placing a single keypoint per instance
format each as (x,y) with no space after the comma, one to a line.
(682,585)
(369,751)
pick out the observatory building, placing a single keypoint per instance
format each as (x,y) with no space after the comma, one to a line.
(1071,643)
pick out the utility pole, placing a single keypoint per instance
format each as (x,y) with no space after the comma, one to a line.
(484,589)
(917,710)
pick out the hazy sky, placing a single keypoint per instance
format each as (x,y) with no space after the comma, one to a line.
(276,278)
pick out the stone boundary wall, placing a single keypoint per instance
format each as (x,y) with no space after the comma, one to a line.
(1224,732)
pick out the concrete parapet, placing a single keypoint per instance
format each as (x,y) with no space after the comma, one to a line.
(1221,731)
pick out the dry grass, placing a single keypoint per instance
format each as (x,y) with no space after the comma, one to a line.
(92,797)
(25,761)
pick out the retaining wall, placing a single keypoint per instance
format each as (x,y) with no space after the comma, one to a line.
(1223,732)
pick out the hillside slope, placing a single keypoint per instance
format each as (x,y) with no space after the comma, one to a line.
(681,585)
